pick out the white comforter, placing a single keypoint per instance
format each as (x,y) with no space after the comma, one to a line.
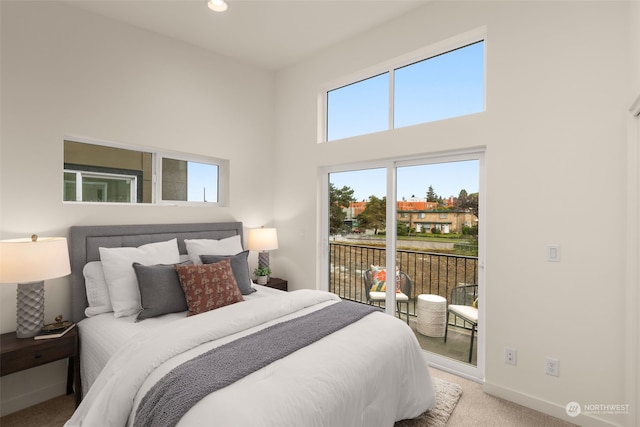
(370,373)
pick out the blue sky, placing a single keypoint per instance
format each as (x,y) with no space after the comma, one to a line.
(447,180)
(202,179)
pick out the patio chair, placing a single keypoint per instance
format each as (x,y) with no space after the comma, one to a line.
(402,297)
(461,305)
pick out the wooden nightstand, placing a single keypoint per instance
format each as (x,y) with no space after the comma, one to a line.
(25,353)
(276,283)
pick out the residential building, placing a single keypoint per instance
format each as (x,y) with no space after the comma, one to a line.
(444,221)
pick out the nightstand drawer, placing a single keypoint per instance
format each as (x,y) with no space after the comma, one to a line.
(38,352)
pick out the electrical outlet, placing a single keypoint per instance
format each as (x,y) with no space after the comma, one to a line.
(552,367)
(510,356)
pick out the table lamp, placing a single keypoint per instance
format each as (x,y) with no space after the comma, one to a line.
(263,240)
(29,262)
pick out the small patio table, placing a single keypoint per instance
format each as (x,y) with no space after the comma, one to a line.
(431,311)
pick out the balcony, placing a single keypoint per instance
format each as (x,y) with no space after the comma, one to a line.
(431,273)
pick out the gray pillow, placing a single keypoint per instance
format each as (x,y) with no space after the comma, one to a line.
(160,290)
(240,267)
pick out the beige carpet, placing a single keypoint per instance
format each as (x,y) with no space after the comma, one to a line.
(476,408)
(52,413)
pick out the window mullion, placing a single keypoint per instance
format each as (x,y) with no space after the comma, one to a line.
(133,190)
(78,186)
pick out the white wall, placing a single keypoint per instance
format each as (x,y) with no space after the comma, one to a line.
(634,47)
(68,72)
(555,132)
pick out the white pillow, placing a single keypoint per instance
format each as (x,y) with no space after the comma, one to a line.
(229,246)
(122,283)
(97,290)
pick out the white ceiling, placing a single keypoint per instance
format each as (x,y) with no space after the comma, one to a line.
(271,34)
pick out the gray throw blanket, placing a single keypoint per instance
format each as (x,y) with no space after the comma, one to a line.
(171,397)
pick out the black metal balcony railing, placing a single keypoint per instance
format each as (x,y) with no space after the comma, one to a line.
(431,273)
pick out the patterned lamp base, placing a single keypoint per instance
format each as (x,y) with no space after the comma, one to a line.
(263,259)
(30,309)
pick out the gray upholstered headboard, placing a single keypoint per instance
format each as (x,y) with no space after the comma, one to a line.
(84,242)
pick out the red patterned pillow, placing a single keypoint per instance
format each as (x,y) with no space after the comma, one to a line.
(208,286)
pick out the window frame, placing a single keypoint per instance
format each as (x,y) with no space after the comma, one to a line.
(156,181)
(222,184)
(456,42)
(81,174)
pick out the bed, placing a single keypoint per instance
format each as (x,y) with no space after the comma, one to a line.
(269,358)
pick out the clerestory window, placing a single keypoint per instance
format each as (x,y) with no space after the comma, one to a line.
(436,87)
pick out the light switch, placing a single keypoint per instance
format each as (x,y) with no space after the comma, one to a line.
(553,253)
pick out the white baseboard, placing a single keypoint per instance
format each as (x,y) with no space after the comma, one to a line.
(23,401)
(544,406)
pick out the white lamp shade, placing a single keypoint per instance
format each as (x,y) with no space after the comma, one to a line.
(262,239)
(24,261)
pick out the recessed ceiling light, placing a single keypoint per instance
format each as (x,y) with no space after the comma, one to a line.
(217,5)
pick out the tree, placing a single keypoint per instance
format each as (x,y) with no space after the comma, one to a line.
(473,204)
(463,200)
(468,202)
(374,215)
(339,199)
(431,195)
(403,229)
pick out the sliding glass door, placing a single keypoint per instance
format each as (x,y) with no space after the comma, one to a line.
(414,256)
